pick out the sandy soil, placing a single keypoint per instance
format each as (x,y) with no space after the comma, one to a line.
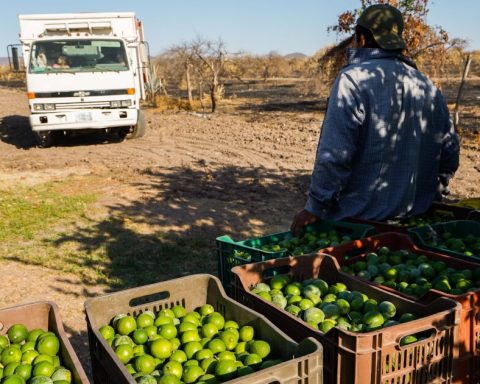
(243,171)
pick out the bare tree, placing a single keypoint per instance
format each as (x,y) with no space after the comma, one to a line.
(154,85)
(183,55)
(212,54)
(274,65)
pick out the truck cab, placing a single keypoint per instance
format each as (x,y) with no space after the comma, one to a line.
(84,71)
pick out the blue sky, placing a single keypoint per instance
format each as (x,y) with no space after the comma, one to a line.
(256,26)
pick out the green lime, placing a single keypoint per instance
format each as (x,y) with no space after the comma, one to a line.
(169,379)
(43,368)
(387,309)
(225,370)
(13,379)
(408,340)
(24,370)
(144,320)
(326,325)
(9,369)
(217,319)
(209,330)
(29,356)
(407,317)
(145,364)
(41,358)
(192,348)
(191,374)
(179,356)
(62,374)
(124,352)
(373,319)
(161,348)
(162,320)
(11,355)
(126,325)
(261,348)
(140,336)
(107,332)
(4,342)
(292,289)
(48,345)
(17,333)
(173,368)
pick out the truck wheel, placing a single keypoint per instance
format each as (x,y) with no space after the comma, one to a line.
(138,130)
(44,139)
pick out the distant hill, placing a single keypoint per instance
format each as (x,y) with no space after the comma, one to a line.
(295,55)
(3,60)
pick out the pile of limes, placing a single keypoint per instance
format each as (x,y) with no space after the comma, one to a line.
(413,274)
(425,219)
(325,306)
(176,346)
(308,243)
(31,357)
(469,244)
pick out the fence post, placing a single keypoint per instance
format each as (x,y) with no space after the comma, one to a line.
(456,117)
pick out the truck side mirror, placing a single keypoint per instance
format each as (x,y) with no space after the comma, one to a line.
(14,58)
(144,52)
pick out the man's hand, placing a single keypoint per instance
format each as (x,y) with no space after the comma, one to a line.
(301,219)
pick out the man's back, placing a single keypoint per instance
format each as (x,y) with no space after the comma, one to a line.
(385,141)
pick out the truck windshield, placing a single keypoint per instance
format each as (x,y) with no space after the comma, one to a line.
(78,56)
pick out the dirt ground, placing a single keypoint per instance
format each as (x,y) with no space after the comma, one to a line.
(243,172)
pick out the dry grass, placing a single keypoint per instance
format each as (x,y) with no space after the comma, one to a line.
(8,76)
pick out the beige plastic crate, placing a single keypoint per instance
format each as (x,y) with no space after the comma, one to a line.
(44,315)
(303,360)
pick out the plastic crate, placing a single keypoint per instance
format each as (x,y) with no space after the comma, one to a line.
(467,366)
(226,247)
(451,212)
(303,361)
(421,235)
(362,357)
(44,315)
(472,203)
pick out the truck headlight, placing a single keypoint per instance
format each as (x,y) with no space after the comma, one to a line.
(115,104)
(38,107)
(49,107)
(126,103)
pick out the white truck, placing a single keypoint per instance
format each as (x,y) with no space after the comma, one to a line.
(84,71)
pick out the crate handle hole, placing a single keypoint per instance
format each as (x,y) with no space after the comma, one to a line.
(271,272)
(415,338)
(135,302)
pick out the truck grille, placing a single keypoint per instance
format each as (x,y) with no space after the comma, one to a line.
(82,105)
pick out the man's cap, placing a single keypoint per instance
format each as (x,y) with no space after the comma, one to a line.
(386,24)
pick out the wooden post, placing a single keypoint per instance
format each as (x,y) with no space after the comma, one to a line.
(456,118)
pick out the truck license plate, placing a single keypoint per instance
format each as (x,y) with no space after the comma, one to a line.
(83,116)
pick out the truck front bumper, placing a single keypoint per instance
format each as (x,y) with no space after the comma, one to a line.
(83,119)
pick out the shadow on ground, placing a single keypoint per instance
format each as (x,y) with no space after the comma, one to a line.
(15,130)
(185,210)
(79,341)
(287,106)
(171,231)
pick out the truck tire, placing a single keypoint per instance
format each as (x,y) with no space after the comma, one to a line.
(44,139)
(138,130)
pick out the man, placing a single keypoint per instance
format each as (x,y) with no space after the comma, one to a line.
(387,145)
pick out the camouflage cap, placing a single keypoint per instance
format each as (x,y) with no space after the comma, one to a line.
(386,24)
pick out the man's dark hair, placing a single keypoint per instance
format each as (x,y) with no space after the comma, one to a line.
(370,40)
(367,34)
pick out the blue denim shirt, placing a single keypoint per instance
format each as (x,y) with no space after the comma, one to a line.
(386,143)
